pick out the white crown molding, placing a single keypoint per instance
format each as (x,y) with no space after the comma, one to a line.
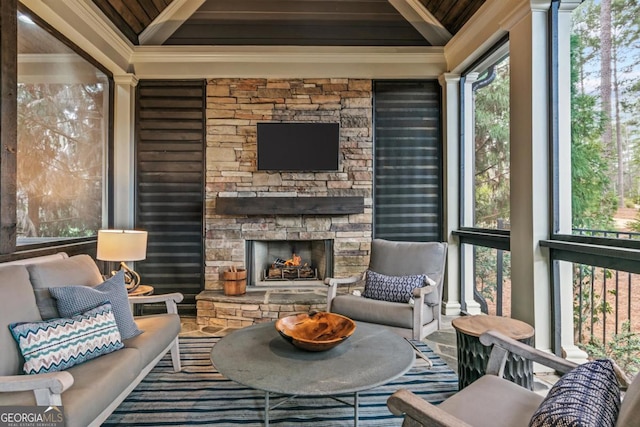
(423,21)
(126,79)
(169,20)
(83,24)
(287,61)
(490,23)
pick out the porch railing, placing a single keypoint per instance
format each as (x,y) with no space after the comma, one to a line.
(604,299)
(606,302)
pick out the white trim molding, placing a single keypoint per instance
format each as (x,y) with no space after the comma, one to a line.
(164,62)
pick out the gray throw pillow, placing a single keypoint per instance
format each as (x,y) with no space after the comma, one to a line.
(72,300)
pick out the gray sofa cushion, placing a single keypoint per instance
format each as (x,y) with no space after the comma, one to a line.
(501,403)
(79,270)
(72,300)
(16,305)
(96,384)
(381,312)
(159,331)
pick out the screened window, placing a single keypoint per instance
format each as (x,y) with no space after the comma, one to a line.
(63,122)
(605,129)
(491,146)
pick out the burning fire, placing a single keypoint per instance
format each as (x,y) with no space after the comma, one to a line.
(294,261)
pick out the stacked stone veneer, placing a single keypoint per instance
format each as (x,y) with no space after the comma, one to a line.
(234,107)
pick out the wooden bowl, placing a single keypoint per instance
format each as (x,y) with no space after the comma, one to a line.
(315,331)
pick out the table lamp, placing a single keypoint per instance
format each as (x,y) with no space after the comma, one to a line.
(123,246)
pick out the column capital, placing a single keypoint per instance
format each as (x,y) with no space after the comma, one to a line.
(448,78)
(569,5)
(126,79)
(471,78)
(540,5)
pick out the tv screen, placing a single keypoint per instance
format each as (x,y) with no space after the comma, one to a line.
(298,146)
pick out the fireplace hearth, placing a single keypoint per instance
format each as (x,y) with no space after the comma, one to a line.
(288,263)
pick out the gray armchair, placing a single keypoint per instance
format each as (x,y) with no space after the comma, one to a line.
(492,401)
(412,320)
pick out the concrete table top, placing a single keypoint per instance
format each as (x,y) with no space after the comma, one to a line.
(258,357)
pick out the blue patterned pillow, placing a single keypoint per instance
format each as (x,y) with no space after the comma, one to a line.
(588,395)
(58,344)
(76,299)
(392,288)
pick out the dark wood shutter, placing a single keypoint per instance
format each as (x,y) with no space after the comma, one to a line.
(407,161)
(170,135)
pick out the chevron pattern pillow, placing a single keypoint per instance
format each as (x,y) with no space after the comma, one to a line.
(58,344)
(587,396)
(392,288)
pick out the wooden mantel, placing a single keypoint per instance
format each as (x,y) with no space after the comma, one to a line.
(289,205)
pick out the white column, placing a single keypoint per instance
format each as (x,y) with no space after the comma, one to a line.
(530,196)
(451,142)
(123,151)
(571,351)
(468,185)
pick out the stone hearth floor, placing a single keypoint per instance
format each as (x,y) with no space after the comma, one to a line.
(442,342)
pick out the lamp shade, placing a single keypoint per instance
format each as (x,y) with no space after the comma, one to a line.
(122,245)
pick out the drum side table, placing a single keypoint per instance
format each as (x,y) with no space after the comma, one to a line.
(473,355)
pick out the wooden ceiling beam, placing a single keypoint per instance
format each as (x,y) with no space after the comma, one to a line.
(423,21)
(169,20)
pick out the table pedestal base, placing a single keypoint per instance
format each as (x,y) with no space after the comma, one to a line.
(268,407)
(473,357)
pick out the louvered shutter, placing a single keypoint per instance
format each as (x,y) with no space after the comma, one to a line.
(170,135)
(407,161)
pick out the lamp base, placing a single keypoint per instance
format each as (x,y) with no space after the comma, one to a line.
(131,278)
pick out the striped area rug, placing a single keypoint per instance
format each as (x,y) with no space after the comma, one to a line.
(199,395)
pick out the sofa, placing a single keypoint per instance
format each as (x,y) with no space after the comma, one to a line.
(90,390)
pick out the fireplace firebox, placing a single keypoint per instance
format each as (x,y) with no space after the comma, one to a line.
(287,263)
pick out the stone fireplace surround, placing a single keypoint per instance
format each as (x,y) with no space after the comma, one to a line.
(234,107)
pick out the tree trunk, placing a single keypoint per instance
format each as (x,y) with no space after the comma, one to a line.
(605,72)
(619,140)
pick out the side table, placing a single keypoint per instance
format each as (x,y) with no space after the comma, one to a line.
(473,355)
(141,290)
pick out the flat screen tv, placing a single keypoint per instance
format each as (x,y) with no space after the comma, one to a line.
(298,146)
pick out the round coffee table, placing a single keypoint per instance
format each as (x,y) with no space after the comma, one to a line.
(258,357)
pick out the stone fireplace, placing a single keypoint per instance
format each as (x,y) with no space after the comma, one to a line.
(265,266)
(234,107)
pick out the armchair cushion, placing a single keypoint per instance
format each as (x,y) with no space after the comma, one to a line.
(58,344)
(586,396)
(392,288)
(76,299)
(399,315)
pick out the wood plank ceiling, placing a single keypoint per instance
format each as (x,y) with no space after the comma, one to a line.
(291,22)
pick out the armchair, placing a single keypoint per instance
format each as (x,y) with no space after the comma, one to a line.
(413,320)
(496,402)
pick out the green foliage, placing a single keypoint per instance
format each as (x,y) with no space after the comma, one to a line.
(492,163)
(588,305)
(635,224)
(486,275)
(623,348)
(593,201)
